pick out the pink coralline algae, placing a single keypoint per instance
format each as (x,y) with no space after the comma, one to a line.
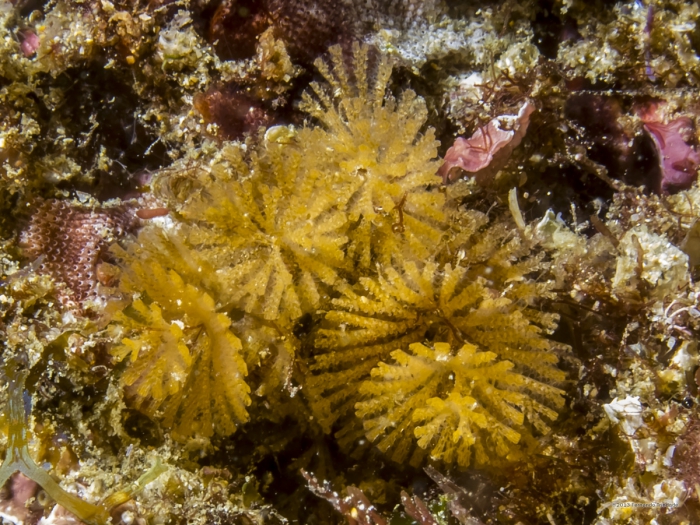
(29,42)
(488,149)
(676,151)
(72,239)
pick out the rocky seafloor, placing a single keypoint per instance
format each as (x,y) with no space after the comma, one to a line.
(354,261)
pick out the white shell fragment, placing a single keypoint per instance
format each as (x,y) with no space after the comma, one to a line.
(625,412)
(652,258)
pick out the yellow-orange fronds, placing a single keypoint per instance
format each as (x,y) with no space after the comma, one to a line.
(378,147)
(185,364)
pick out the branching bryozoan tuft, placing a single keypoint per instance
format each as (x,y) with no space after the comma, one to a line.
(378,148)
(477,313)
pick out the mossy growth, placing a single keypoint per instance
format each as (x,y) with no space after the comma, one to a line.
(187,360)
(273,229)
(267,235)
(454,401)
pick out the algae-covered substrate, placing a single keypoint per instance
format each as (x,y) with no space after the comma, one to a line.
(360,261)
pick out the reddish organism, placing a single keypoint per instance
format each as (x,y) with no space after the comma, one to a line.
(73,239)
(677,155)
(152,213)
(488,149)
(307,27)
(233,111)
(235,27)
(28,42)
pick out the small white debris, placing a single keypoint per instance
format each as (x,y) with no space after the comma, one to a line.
(626,412)
(663,265)
(668,457)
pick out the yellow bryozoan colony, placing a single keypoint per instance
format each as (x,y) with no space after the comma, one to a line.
(185,364)
(452,355)
(274,231)
(420,329)
(377,146)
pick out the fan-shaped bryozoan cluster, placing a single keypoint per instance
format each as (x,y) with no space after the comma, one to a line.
(269,233)
(179,340)
(375,143)
(187,359)
(274,230)
(285,224)
(453,400)
(438,338)
(488,345)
